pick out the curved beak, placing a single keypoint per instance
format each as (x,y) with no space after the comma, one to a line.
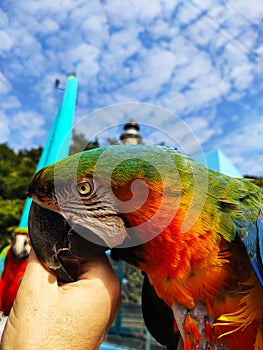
(57,245)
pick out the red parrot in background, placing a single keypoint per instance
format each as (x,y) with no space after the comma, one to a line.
(195,233)
(14,268)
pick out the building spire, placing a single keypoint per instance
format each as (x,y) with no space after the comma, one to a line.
(131,135)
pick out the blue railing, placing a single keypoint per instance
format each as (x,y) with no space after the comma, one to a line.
(110,347)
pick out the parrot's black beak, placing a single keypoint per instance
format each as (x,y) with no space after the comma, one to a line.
(57,245)
(35,185)
(42,192)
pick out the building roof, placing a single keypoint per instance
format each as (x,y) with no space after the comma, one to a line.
(218,161)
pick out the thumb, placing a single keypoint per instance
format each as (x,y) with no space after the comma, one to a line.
(36,274)
(100,272)
(97,267)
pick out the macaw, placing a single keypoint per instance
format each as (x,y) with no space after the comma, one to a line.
(196,234)
(3,254)
(14,268)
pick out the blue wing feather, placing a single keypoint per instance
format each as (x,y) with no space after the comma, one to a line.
(257,261)
(260,236)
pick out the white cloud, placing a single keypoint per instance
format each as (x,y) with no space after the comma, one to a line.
(174,101)
(156,69)
(187,13)
(201,128)
(199,34)
(242,76)
(252,133)
(4,128)
(244,146)
(250,10)
(48,26)
(25,129)
(5,85)
(81,59)
(122,12)
(11,102)
(4,21)
(188,57)
(6,41)
(96,30)
(22,120)
(58,9)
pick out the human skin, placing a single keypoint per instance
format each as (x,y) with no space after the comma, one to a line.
(75,315)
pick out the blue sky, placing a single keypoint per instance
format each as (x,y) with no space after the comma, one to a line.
(200,60)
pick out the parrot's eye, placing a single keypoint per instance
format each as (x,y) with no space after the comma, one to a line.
(84,188)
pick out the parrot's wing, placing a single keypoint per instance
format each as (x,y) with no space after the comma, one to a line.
(257,261)
(158,317)
(251,234)
(3,254)
(260,236)
(240,204)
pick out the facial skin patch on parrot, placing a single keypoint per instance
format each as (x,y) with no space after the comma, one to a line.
(82,208)
(112,232)
(44,203)
(21,247)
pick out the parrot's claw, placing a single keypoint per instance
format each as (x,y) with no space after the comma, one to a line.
(196,325)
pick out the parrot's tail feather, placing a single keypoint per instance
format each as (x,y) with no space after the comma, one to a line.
(250,310)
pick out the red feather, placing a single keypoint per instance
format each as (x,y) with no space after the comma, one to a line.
(191,327)
(10,281)
(208,331)
(187,343)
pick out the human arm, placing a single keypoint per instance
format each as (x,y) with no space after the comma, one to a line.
(75,315)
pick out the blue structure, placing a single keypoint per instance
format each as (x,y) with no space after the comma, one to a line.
(218,161)
(58,142)
(109,347)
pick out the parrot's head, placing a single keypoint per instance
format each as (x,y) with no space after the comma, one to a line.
(70,189)
(20,245)
(118,196)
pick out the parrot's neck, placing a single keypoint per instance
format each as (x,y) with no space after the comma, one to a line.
(183,276)
(191,266)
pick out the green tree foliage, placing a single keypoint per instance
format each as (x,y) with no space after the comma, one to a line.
(16,173)
(113,141)
(80,143)
(257,180)
(10,214)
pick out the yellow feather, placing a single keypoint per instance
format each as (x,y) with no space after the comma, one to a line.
(250,309)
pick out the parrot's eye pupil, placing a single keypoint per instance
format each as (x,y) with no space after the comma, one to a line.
(84,188)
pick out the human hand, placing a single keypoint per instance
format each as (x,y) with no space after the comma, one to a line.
(71,316)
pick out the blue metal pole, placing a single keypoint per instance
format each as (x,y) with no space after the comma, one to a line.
(58,142)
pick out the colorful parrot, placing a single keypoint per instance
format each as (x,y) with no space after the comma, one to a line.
(3,254)
(14,268)
(195,233)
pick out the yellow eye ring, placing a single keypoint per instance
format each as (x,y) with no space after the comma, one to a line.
(84,188)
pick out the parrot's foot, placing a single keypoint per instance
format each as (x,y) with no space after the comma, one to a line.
(196,328)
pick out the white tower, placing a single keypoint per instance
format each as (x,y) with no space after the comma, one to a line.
(131,135)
